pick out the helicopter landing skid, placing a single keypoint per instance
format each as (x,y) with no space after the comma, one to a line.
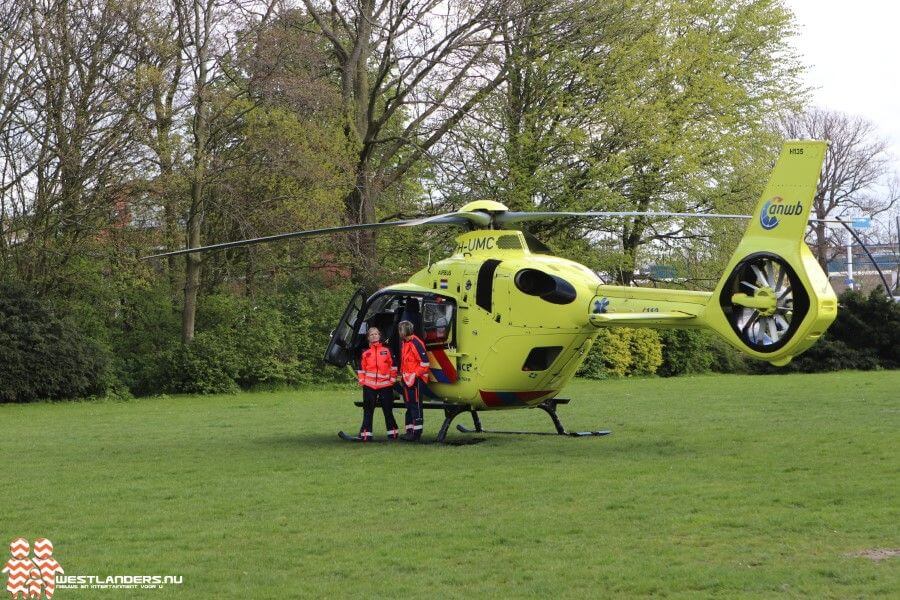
(549,407)
(451,411)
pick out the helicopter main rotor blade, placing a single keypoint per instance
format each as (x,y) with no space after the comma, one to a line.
(282,236)
(519,217)
(509,218)
(469,218)
(454,218)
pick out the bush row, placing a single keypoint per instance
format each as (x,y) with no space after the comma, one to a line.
(54,350)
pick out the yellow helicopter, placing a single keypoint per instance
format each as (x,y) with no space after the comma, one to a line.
(506,324)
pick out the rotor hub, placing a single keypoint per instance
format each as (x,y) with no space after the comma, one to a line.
(764,300)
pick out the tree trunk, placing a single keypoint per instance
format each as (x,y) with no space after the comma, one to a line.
(822,245)
(170,210)
(361,209)
(171,239)
(632,234)
(192,261)
(198,177)
(360,202)
(626,272)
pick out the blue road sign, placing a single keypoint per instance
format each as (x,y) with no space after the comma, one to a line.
(862,222)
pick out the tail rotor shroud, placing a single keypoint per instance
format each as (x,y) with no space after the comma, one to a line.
(764,301)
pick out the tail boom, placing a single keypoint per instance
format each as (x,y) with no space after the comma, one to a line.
(774,301)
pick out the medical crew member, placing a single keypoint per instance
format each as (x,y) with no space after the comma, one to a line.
(414,370)
(376,375)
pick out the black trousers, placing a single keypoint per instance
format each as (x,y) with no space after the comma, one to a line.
(415,416)
(385,398)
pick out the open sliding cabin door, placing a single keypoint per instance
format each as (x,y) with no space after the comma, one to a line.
(340,348)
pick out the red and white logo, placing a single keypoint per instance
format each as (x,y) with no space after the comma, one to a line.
(31,577)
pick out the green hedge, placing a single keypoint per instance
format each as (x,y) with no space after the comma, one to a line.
(622,352)
(44,354)
(244,344)
(127,340)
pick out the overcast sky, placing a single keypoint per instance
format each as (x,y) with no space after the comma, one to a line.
(853,53)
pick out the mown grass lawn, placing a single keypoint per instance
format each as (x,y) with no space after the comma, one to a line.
(725,486)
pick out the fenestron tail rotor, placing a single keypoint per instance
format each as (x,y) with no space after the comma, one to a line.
(775,301)
(764,301)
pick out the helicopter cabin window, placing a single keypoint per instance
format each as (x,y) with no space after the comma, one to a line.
(437,320)
(431,316)
(540,359)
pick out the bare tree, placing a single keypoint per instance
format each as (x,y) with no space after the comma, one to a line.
(410,70)
(160,80)
(16,66)
(68,142)
(856,176)
(209,32)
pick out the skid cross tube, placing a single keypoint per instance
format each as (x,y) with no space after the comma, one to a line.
(450,413)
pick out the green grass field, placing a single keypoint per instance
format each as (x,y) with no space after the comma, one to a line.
(723,486)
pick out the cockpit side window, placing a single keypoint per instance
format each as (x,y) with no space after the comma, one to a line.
(437,321)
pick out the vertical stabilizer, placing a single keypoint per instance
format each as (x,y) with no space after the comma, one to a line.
(774,300)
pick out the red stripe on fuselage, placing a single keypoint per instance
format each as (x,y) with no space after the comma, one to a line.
(510,398)
(446,364)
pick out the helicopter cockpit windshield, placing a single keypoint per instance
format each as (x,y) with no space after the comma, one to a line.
(432,316)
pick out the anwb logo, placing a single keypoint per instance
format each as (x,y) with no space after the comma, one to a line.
(768,217)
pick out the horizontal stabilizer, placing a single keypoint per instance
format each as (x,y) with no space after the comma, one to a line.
(641,318)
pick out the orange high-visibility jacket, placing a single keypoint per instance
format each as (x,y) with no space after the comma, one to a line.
(376,369)
(414,361)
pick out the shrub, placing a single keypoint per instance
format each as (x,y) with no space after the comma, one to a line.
(245,343)
(309,317)
(685,351)
(609,356)
(646,352)
(43,353)
(144,325)
(726,358)
(205,366)
(621,352)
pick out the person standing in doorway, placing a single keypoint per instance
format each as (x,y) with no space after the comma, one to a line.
(376,375)
(414,370)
